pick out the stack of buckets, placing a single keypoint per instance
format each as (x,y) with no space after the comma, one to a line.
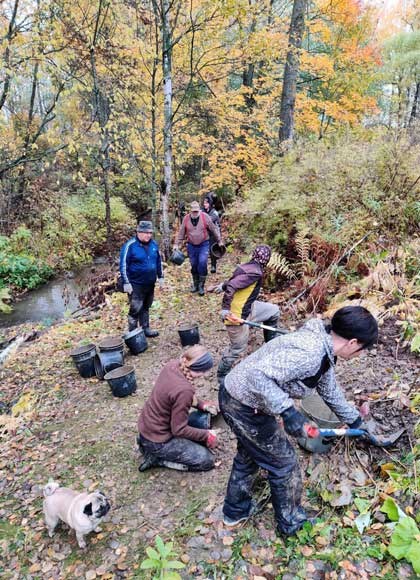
(106,361)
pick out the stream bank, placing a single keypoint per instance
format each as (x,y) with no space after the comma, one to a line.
(55,299)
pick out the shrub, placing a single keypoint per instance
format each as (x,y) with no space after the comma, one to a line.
(340,189)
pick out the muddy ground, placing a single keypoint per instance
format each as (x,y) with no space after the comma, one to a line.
(74,430)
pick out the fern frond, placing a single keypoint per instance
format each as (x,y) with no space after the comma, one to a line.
(280,265)
(303,246)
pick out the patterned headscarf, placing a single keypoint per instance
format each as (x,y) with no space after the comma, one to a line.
(262,255)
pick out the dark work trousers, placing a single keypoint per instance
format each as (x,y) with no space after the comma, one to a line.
(192,455)
(262,443)
(141,300)
(198,256)
(213,260)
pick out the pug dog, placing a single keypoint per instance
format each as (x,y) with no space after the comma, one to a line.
(82,511)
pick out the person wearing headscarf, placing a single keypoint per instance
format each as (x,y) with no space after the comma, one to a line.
(262,388)
(240,302)
(168,435)
(209,209)
(196,228)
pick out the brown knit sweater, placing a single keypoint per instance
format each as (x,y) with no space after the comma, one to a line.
(165,414)
(197,234)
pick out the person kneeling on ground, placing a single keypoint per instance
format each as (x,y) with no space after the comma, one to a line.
(264,385)
(165,436)
(240,302)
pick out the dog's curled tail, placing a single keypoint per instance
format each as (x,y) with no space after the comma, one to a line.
(50,488)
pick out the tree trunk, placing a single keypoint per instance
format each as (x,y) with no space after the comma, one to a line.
(167,129)
(414,108)
(102,112)
(291,71)
(153,119)
(27,139)
(6,58)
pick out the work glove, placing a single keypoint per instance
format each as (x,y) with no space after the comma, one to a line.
(211,441)
(128,289)
(296,424)
(225,314)
(161,283)
(208,407)
(218,288)
(360,424)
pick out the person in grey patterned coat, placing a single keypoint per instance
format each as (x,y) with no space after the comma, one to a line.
(263,386)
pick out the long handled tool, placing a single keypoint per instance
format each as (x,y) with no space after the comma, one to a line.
(260,325)
(378,440)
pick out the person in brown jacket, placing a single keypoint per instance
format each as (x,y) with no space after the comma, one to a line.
(166,437)
(197,227)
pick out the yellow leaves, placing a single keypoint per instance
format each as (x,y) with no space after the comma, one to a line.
(25,404)
(318,64)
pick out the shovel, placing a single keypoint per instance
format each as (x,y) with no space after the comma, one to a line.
(377,441)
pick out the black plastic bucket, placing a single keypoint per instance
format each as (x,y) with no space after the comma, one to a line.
(136,341)
(84,357)
(177,257)
(199,419)
(109,357)
(218,251)
(189,334)
(122,381)
(314,407)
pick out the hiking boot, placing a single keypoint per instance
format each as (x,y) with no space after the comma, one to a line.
(233,522)
(150,333)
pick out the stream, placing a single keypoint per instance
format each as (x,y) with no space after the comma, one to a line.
(55,299)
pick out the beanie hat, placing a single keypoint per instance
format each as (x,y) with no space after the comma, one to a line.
(262,254)
(145,227)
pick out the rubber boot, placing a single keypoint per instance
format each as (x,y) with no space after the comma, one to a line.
(145,325)
(148,462)
(213,262)
(270,334)
(201,283)
(225,366)
(195,283)
(132,323)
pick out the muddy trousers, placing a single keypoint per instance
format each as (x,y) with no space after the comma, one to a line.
(262,444)
(188,454)
(141,300)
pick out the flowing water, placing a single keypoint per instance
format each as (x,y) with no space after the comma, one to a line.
(55,299)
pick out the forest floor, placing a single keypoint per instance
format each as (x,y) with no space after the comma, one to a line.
(74,430)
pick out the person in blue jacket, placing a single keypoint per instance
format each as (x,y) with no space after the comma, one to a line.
(140,267)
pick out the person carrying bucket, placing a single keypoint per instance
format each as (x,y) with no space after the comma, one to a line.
(197,227)
(262,387)
(240,302)
(168,436)
(208,208)
(140,267)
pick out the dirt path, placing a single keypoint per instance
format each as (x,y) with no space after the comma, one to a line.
(78,433)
